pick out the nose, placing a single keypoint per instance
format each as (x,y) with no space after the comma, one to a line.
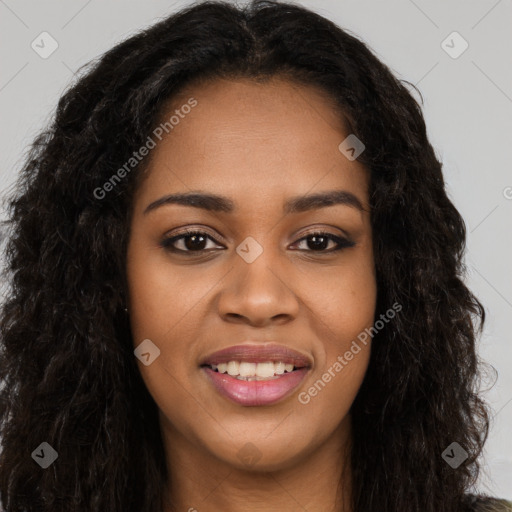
(258,293)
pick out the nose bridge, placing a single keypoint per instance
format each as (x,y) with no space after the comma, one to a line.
(258,289)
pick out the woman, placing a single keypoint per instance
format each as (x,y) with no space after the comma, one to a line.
(316,353)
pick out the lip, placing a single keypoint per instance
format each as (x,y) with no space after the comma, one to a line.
(254,393)
(257,353)
(257,393)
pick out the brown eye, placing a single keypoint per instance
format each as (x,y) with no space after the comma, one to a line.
(191,241)
(319,241)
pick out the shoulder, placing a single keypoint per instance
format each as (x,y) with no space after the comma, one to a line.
(486,504)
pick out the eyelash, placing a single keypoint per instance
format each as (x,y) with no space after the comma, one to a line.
(166,243)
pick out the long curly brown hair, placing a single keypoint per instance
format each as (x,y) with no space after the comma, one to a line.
(67,367)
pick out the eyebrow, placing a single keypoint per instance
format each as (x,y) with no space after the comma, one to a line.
(298,204)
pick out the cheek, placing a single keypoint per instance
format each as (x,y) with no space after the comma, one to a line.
(160,311)
(162,305)
(162,298)
(343,304)
(343,300)
(328,397)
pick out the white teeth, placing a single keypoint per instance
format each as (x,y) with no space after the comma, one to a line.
(233,368)
(265,369)
(247,369)
(279,368)
(253,371)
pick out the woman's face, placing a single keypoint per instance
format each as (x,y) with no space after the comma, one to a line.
(264,295)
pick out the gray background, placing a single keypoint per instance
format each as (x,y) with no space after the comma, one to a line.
(468,107)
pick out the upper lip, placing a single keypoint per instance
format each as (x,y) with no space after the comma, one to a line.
(258,353)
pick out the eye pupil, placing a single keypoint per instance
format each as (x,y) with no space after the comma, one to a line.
(190,240)
(317,245)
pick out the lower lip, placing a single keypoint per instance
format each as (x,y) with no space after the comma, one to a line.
(256,392)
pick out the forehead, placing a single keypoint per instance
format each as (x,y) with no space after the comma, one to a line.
(244,139)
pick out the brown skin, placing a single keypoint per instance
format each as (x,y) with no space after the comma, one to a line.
(258,144)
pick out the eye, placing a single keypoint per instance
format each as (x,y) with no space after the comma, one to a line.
(191,241)
(319,240)
(196,241)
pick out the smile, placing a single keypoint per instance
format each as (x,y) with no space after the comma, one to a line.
(256,375)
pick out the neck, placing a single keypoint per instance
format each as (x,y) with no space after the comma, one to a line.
(318,481)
